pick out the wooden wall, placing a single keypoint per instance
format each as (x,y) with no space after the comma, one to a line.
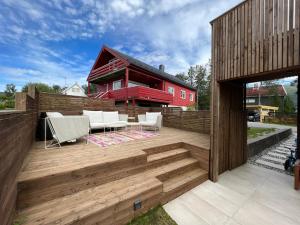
(197,121)
(256,37)
(256,40)
(71,104)
(17,132)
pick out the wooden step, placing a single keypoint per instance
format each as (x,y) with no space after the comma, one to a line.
(45,188)
(163,148)
(105,203)
(166,157)
(180,184)
(170,170)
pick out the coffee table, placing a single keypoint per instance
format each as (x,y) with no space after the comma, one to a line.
(134,124)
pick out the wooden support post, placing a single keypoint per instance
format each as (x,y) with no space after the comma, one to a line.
(89,88)
(126,84)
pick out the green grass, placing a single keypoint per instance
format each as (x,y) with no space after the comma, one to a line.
(155,216)
(254,132)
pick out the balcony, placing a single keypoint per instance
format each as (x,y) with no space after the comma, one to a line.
(106,69)
(140,93)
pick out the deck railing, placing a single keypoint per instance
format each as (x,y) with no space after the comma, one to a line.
(142,93)
(107,68)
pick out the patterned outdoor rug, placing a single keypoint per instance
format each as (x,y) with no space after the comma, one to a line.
(113,138)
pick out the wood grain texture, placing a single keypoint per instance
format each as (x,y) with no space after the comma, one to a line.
(265,32)
(17,132)
(99,185)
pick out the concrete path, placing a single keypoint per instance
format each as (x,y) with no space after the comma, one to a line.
(248,195)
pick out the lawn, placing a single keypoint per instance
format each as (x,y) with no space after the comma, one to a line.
(254,132)
(155,216)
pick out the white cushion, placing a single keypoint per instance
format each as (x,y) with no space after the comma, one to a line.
(110,117)
(54,114)
(148,123)
(118,124)
(98,125)
(94,116)
(152,116)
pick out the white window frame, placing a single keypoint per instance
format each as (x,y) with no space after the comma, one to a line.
(114,84)
(183,94)
(173,90)
(191,97)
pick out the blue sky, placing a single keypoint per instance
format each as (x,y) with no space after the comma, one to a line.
(57,41)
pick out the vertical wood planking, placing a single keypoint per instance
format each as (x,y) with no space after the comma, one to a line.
(275,37)
(261,36)
(249,37)
(246,40)
(291,34)
(296,34)
(280,31)
(270,34)
(285,36)
(256,37)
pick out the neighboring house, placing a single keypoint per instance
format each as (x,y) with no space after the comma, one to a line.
(265,95)
(75,90)
(130,81)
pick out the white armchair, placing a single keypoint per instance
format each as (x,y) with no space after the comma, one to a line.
(151,120)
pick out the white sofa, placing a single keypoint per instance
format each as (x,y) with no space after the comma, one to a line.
(102,120)
(65,128)
(151,120)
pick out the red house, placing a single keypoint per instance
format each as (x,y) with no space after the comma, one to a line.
(130,81)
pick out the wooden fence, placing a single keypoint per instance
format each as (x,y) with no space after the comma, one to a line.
(198,121)
(71,104)
(257,36)
(17,134)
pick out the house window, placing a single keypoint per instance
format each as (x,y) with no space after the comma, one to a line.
(183,94)
(117,85)
(171,91)
(191,97)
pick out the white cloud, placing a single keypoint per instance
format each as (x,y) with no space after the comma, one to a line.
(171,32)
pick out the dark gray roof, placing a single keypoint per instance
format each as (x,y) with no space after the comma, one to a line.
(152,69)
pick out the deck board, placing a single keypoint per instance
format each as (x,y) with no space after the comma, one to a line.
(41,162)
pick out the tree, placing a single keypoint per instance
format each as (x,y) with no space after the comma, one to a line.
(56,88)
(203,83)
(93,88)
(289,106)
(181,76)
(10,90)
(191,75)
(41,87)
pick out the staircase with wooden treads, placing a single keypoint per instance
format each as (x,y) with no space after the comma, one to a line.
(155,177)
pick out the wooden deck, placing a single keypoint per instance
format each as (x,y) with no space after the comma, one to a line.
(153,170)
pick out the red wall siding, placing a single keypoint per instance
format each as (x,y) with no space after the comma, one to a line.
(103,87)
(178,101)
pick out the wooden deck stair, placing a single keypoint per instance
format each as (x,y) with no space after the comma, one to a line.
(168,172)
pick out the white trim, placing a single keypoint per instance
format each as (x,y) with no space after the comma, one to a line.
(113,87)
(181,94)
(173,92)
(191,97)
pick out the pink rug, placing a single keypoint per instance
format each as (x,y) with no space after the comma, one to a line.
(113,138)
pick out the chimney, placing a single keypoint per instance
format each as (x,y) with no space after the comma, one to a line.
(161,67)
